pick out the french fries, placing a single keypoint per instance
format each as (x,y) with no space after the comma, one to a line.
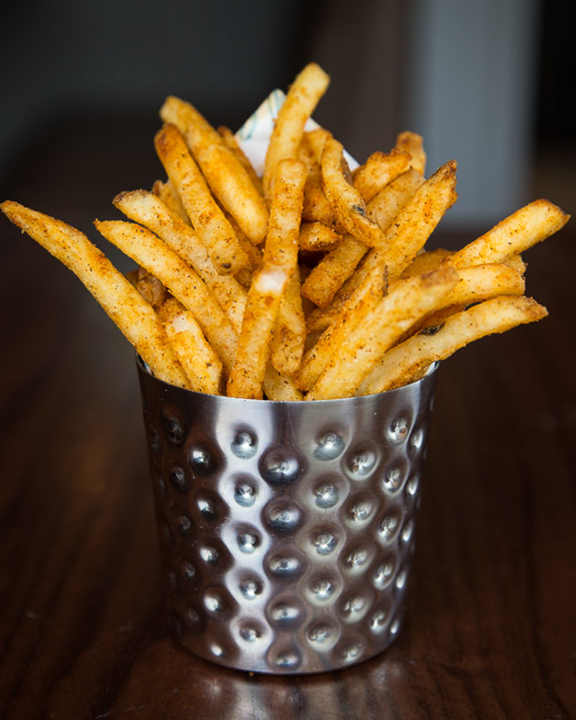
(122,302)
(407,361)
(223,168)
(200,361)
(150,211)
(269,285)
(518,232)
(379,330)
(345,199)
(204,212)
(302,98)
(311,282)
(148,250)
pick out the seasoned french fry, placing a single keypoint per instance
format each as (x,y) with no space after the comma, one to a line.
(365,297)
(289,336)
(228,178)
(148,210)
(413,225)
(281,249)
(300,102)
(408,361)
(401,308)
(335,270)
(316,207)
(122,302)
(317,237)
(165,191)
(232,144)
(332,271)
(184,283)
(347,202)
(269,284)
(150,288)
(516,262)
(425,261)
(205,215)
(476,284)
(385,205)
(279,387)
(312,143)
(412,143)
(196,355)
(379,170)
(247,374)
(253,253)
(518,232)
(482,282)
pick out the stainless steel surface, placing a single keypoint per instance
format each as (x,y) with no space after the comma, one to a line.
(286,529)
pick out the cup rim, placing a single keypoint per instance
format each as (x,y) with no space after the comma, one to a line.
(427,377)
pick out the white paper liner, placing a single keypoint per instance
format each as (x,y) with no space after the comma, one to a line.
(254,135)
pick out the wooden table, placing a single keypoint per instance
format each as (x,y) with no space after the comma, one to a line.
(491,618)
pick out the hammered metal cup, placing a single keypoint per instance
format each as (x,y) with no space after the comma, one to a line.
(286,528)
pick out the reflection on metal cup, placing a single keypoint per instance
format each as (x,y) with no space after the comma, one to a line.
(286,528)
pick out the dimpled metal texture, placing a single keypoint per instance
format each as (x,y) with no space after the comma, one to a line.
(286,528)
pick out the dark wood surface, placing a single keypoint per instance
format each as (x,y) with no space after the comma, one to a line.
(491,619)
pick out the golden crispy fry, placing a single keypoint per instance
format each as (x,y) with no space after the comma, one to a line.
(312,143)
(165,191)
(385,206)
(346,201)
(516,262)
(332,271)
(205,215)
(518,232)
(300,102)
(408,361)
(316,207)
(269,284)
(196,355)
(318,319)
(227,177)
(253,253)
(247,374)
(482,282)
(401,308)
(232,144)
(281,249)
(335,271)
(122,302)
(317,237)
(412,143)
(378,170)
(364,299)
(280,387)
(150,288)
(476,284)
(413,225)
(289,336)
(150,252)
(148,210)
(425,261)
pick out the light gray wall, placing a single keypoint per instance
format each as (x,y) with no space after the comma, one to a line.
(472,97)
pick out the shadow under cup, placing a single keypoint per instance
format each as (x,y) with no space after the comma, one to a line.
(286,528)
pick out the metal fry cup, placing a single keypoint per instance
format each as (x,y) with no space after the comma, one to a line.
(286,528)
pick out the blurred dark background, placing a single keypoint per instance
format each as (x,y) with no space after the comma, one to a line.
(489,84)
